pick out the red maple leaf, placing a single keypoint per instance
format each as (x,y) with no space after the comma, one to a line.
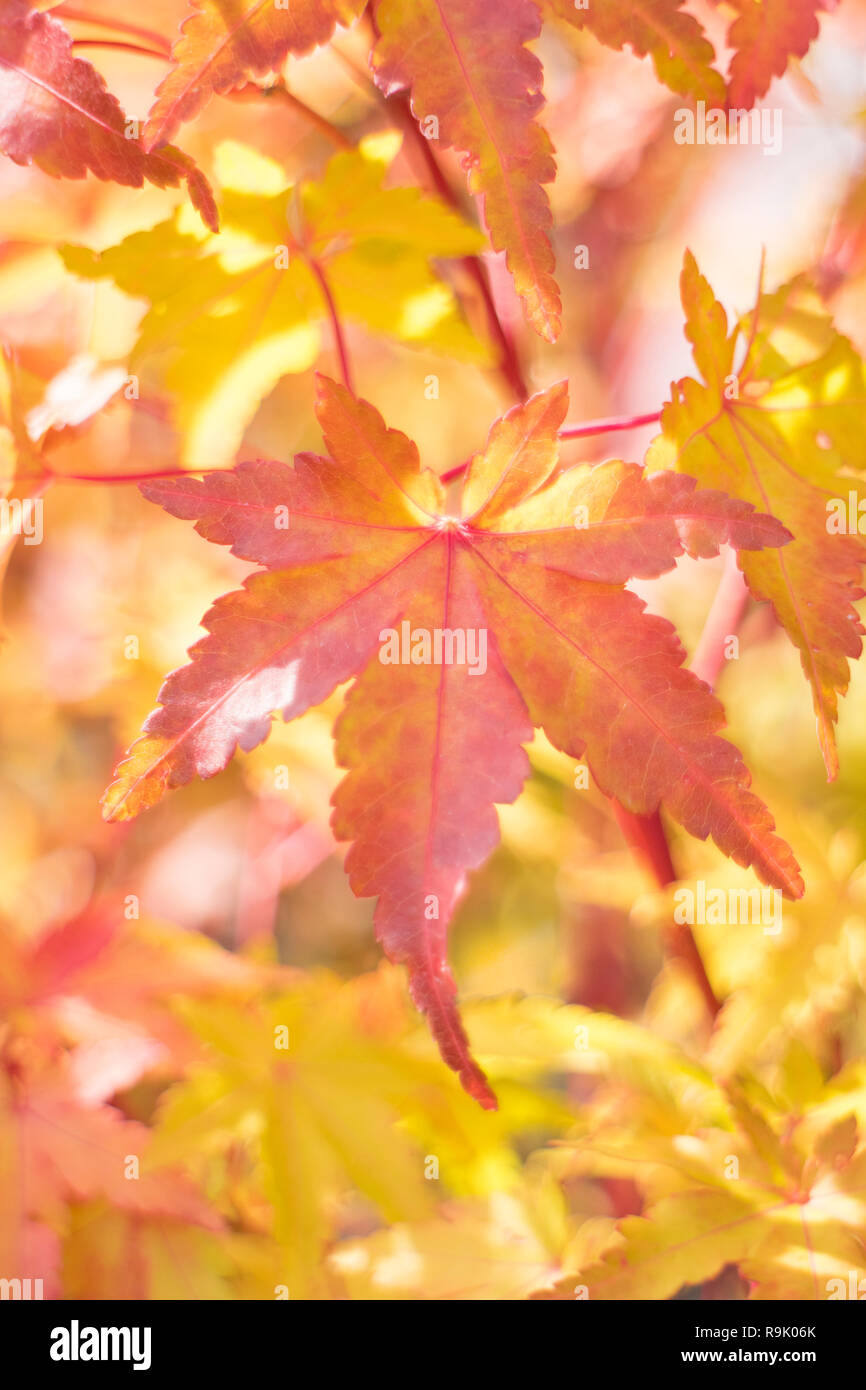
(55,112)
(462,633)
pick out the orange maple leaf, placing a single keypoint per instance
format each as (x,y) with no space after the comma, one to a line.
(467,65)
(765,36)
(224,42)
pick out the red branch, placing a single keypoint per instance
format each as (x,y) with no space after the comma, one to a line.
(122,44)
(646,834)
(279,91)
(616,422)
(339,339)
(127,477)
(609,426)
(722,622)
(509,362)
(119,26)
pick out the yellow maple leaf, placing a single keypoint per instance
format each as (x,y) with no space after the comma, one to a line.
(781,429)
(231,313)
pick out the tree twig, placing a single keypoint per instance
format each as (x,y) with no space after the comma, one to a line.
(336,326)
(722,622)
(609,426)
(251,91)
(120,26)
(646,836)
(646,833)
(509,362)
(123,44)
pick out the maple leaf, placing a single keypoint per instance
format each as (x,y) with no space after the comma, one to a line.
(105,983)
(805,976)
(224,42)
(78,392)
(661,29)
(685,1239)
(55,112)
(432,744)
(318,1102)
(467,64)
(782,430)
(504,1248)
(317,1110)
(776,1189)
(547,1035)
(111,1254)
(54,1152)
(765,35)
(234,313)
